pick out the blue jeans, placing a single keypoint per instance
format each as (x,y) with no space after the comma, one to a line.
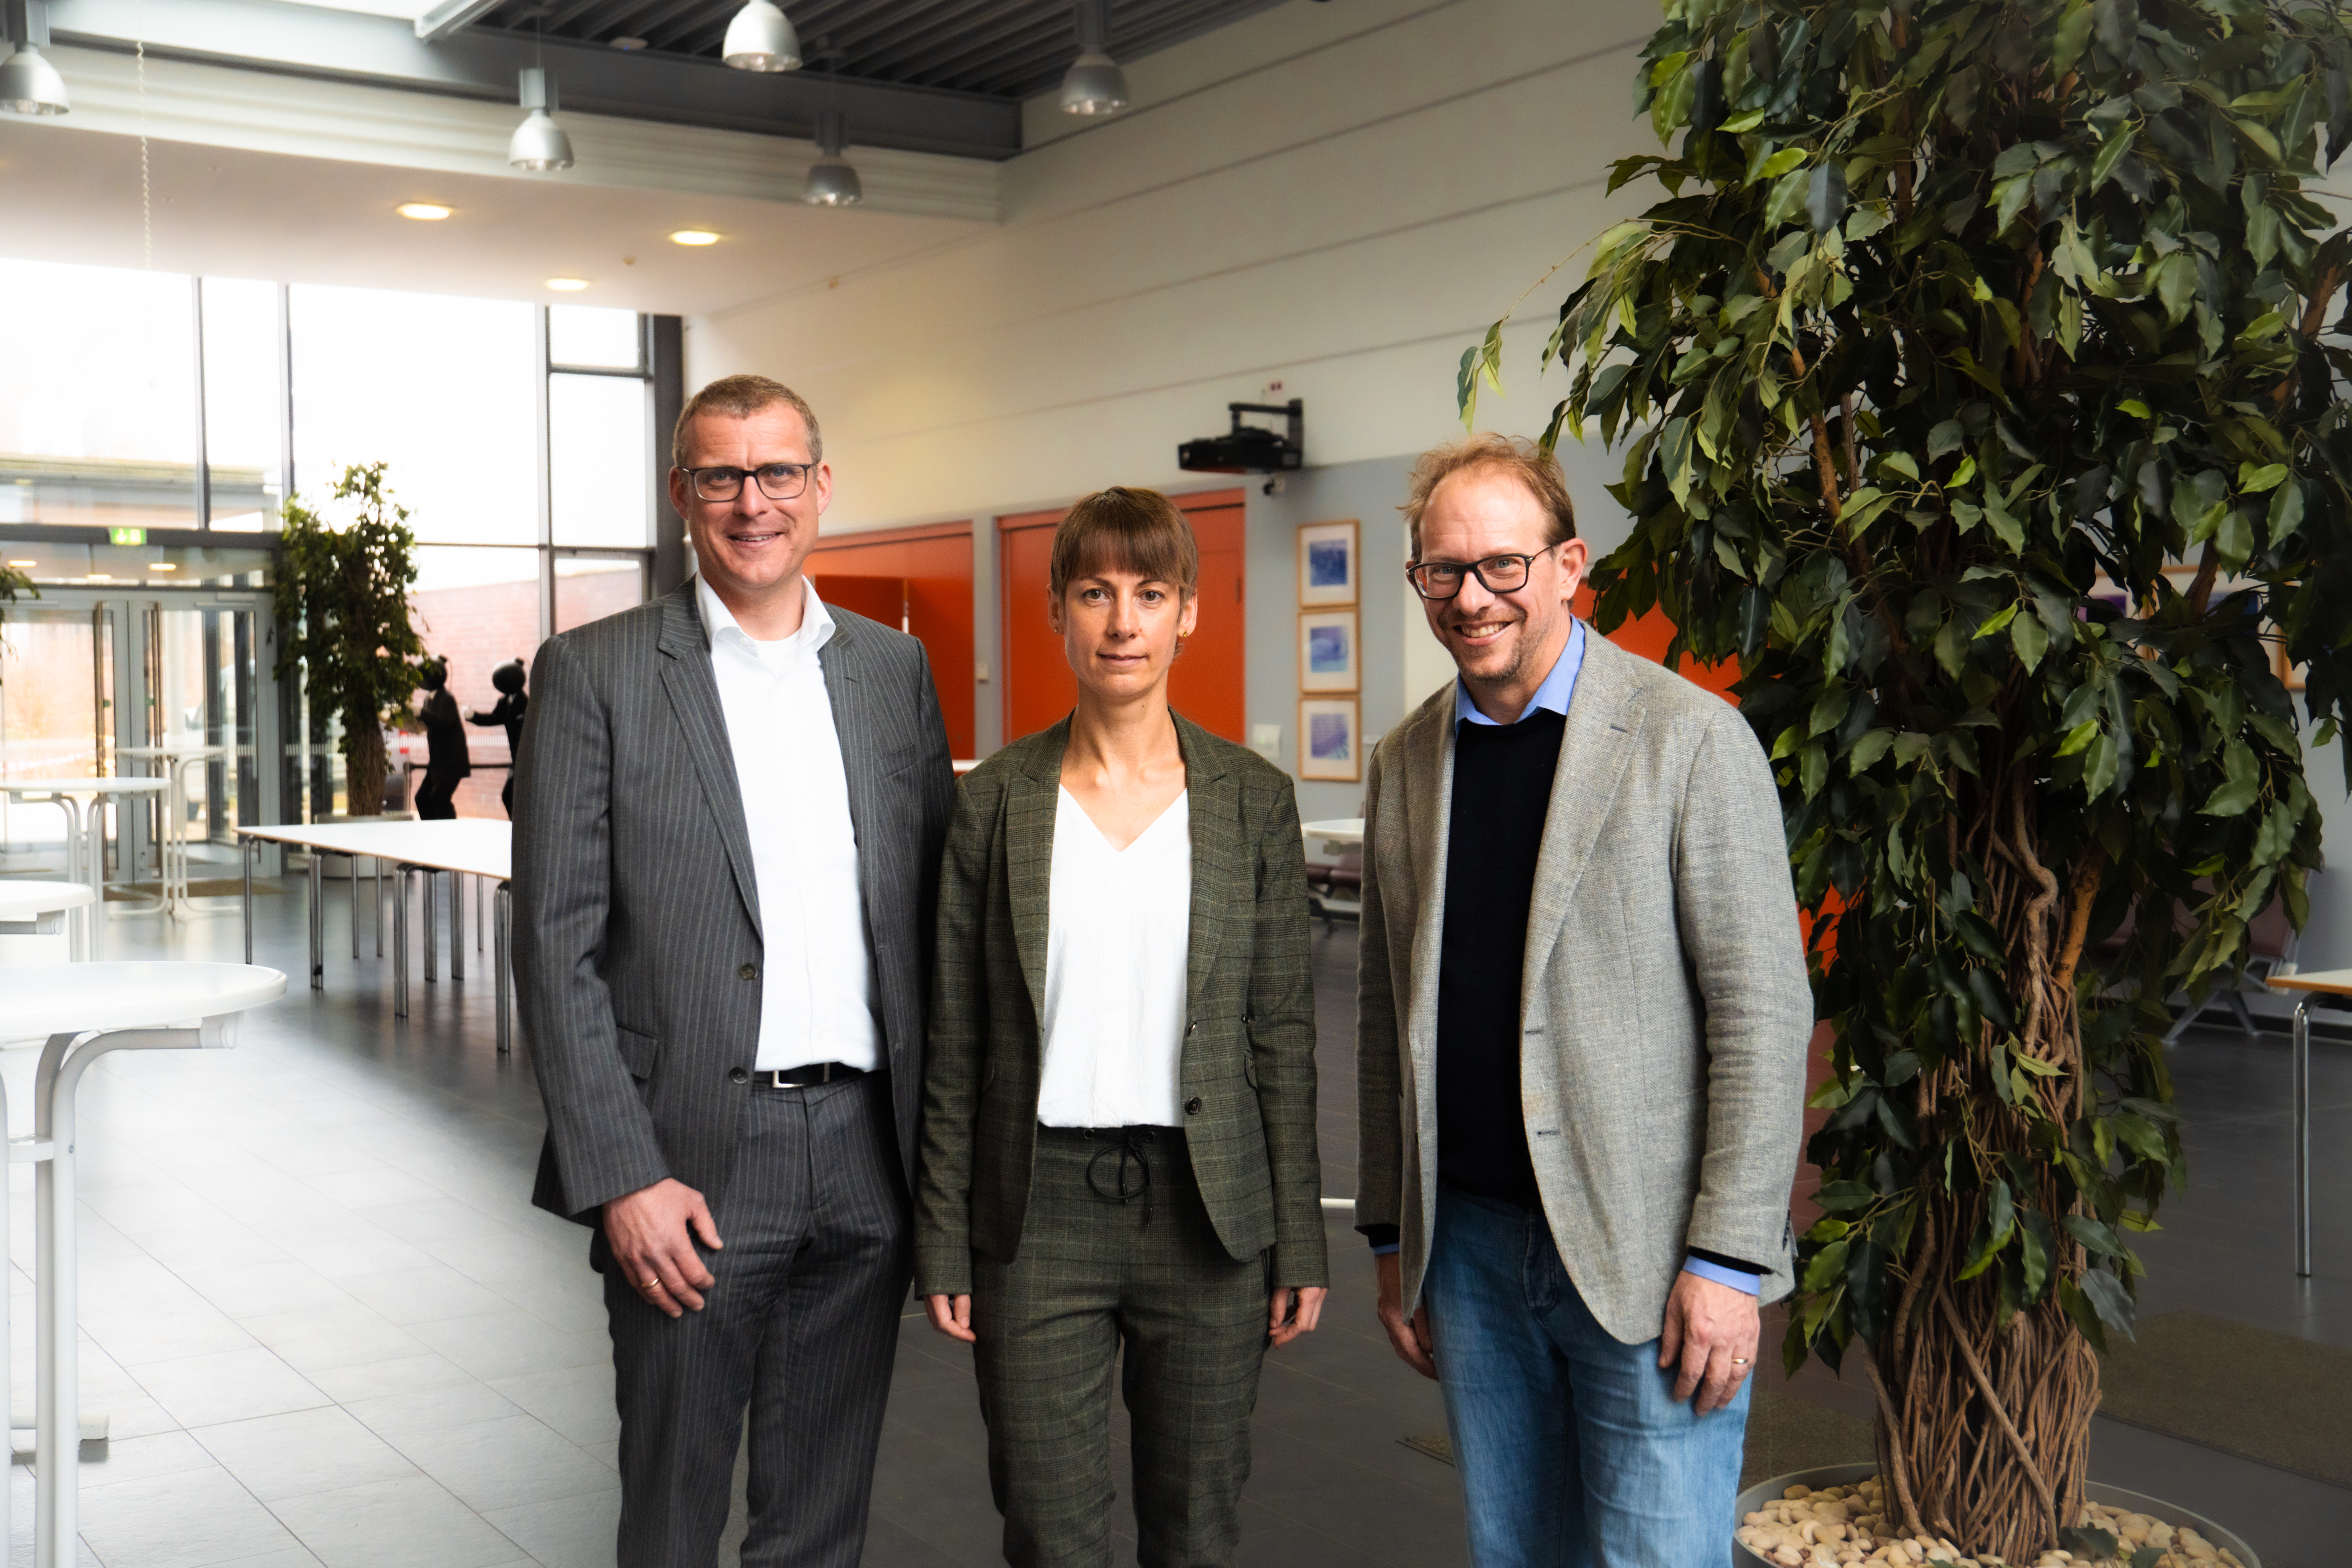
(1573,1451)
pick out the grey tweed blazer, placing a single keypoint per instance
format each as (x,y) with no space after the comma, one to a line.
(1665,1006)
(1248,1060)
(637,921)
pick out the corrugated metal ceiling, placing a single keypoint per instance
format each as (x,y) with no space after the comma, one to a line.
(1008,47)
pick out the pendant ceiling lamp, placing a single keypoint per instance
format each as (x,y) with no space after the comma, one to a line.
(539,144)
(832,183)
(1094,83)
(28,83)
(760,38)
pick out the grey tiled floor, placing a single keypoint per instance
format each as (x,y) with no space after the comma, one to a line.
(329,1329)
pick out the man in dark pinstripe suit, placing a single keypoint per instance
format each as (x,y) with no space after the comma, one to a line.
(729,810)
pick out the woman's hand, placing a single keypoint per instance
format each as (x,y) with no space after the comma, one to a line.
(952,1315)
(1290,1314)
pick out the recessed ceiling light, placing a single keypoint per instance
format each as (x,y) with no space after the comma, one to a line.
(694,236)
(423,212)
(567,285)
(162,566)
(101,577)
(631,45)
(24,564)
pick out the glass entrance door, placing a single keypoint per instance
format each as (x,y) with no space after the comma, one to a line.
(56,718)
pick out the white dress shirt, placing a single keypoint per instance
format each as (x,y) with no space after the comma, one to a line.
(1118,944)
(818,997)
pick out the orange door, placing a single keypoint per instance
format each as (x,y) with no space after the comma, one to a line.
(932,565)
(1208,683)
(880,599)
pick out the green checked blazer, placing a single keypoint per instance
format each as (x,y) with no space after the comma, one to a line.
(1247,1078)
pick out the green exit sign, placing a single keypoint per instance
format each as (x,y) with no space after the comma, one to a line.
(127,535)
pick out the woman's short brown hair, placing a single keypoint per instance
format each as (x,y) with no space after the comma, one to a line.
(1120,529)
(1521,458)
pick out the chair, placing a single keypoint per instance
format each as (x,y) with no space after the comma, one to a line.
(1342,881)
(2271,939)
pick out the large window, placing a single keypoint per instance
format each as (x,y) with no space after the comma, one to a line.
(520,438)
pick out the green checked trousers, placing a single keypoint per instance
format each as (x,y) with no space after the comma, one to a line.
(1096,1276)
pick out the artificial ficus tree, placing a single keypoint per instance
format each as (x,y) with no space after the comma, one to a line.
(342,604)
(1981,385)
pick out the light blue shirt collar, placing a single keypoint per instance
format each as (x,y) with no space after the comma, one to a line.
(1558,687)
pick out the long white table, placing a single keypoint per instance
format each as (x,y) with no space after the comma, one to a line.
(85,836)
(467,846)
(83,1011)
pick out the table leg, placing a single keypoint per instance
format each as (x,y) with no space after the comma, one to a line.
(352,868)
(478,914)
(432,930)
(83,937)
(400,942)
(2303,1138)
(251,847)
(504,905)
(456,925)
(94,857)
(376,919)
(318,889)
(53,1475)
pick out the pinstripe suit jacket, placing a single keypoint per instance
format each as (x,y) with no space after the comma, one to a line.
(636,929)
(1248,1071)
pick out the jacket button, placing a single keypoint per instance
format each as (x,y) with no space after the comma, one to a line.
(748,970)
(1192,1106)
(738,1075)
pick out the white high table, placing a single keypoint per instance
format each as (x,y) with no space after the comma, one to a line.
(467,846)
(2325,988)
(85,850)
(85,1010)
(171,848)
(38,909)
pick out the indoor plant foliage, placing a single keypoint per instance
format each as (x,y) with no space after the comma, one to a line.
(342,603)
(1958,323)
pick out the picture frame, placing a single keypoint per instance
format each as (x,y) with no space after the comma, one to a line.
(1330,563)
(1331,740)
(1329,655)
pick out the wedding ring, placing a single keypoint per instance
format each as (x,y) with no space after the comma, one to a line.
(654,1283)
(1740,1361)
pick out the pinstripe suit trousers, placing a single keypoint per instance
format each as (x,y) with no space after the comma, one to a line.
(801,1326)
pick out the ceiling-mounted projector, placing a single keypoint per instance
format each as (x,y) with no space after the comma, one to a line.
(1246,448)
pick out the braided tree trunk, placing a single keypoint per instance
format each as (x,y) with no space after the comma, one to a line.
(1984,1425)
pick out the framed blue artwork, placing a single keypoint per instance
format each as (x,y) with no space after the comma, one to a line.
(1327,564)
(1330,740)
(1327,657)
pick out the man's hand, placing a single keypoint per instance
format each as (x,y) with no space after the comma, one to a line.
(952,1315)
(1415,1339)
(1290,1314)
(654,1249)
(1711,1330)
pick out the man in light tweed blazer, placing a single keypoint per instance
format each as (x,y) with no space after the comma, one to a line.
(1582,1019)
(729,810)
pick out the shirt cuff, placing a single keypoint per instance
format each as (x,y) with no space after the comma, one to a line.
(1384,1238)
(1385,1249)
(1738,1279)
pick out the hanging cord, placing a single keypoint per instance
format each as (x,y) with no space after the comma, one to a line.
(1132,1149)
(146,185)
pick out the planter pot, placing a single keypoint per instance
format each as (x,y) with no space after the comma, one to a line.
(1757,1495)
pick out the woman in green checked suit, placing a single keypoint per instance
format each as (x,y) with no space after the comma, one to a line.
(1119,1111)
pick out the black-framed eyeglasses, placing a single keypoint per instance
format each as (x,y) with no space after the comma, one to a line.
(1496,573)
(777,481)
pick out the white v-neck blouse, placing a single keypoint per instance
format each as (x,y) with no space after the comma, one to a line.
(1117,946)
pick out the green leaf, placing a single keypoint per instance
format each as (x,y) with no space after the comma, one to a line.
(1998,621)
(2110,1301)
(2252,481)
(2111,152)
(2242,783)
(1948,436)
(2031,638)
(1865,751)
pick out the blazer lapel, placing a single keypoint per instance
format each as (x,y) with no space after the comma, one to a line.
(1429,808)
(1033,800)
(1213,806)
(1595,748)
(693,693)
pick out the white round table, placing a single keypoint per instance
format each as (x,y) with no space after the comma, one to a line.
(1347,830)
(85,851)
(86,1010)
(175,755)
(41,908)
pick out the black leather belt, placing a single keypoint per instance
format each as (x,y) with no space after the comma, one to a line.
(807,1077)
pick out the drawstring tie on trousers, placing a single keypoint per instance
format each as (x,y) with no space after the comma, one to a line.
(1130,1148)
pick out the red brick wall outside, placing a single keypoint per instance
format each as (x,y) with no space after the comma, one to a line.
(477,629)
